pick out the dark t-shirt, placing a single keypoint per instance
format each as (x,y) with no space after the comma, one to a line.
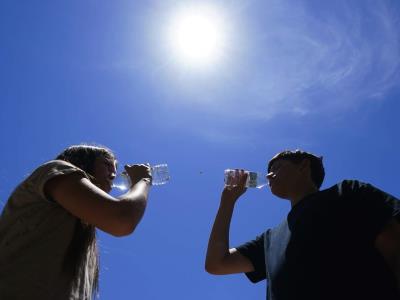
(331,253)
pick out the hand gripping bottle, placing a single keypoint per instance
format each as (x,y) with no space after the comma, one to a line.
(254,179)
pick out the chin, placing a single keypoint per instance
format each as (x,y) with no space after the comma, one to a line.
(106,188)
(278,194)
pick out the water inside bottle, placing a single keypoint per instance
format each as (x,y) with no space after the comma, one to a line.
(231,177)
(121,182)
(160,174)
(254,179)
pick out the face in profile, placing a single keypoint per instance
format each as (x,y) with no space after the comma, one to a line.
(283,177)
(104,172)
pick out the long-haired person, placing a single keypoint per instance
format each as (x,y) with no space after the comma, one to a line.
(48,226)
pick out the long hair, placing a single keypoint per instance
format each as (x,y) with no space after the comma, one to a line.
(82,255)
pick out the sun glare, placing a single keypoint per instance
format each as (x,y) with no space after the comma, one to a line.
(197,36)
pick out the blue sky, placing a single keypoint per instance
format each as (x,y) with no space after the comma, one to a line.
(314,75)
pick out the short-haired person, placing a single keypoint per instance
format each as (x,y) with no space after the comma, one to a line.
(339,243)
(47,228)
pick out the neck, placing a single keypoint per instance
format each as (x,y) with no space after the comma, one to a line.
(302,193)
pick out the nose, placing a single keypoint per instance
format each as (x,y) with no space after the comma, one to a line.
(113,174)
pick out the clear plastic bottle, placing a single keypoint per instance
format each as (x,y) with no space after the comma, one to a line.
(159,173)
(254,179)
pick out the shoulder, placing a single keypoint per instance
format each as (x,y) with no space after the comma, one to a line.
(253,245)
(52,169)
(359,187)
(347,186)
(56,167)
(369,196)
(29,199)
(36,182)
(254,251)
(259,239)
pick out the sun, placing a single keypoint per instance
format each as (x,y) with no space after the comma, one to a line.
(197,35)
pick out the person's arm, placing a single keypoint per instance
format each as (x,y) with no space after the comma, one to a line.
(89,203)
(380,212)
(220,259)
(388,244)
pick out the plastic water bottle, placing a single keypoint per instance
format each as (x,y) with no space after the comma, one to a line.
(159,173)
(254,179)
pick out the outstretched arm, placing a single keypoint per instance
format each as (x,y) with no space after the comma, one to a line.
(388,244)
(220,259)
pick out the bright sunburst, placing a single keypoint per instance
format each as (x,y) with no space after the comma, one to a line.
(197,35)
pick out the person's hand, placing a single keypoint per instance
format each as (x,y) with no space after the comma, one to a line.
(138,172)
(232,193)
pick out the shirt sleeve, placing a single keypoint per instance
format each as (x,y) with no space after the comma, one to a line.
(49,170)
(374,208)
(254,251)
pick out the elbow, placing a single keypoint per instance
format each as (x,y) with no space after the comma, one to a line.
(128,220)
(213,268)
(124,227)
(122,230)
(209,269)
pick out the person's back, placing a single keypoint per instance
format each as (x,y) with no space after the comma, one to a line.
(331,252)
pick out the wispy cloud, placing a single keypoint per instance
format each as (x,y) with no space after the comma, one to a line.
(311,59)
(283,57)
(301,59)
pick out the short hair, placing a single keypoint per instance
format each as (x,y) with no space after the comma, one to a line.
(84,156)
(296,156)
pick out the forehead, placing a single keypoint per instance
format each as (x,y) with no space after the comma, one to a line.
(106,159)
(278,162)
